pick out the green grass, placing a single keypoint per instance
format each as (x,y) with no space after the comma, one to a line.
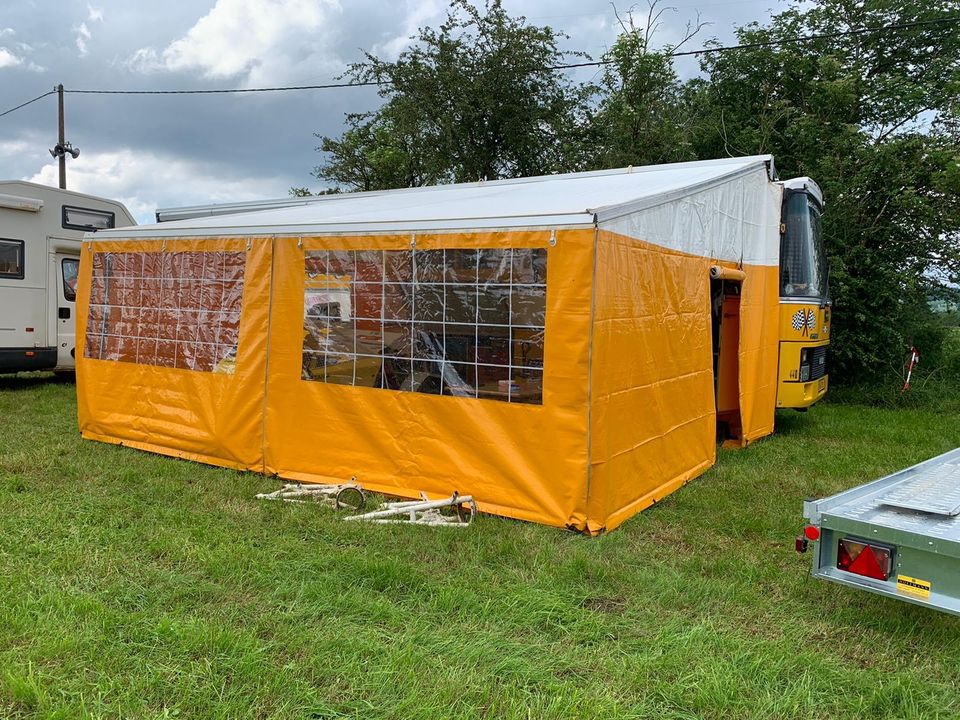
(136,586)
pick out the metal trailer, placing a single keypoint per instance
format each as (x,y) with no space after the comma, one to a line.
(898,536)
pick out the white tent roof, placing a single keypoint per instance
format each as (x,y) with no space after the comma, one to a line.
(546,201)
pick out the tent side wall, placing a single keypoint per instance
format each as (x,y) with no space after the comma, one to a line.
(653,409)
(209,301)
(527,461)
(205,349)
(653,421)
(759,349)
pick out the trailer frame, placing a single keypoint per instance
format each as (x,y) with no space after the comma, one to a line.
(916,513)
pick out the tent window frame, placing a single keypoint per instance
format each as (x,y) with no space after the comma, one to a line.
(466,322)
(180,310)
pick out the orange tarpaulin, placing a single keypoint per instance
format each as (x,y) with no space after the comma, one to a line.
(560,374)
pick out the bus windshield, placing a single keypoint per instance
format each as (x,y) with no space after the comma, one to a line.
(803,262)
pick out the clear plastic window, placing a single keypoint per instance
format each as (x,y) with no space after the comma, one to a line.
(464,323)
(178,310)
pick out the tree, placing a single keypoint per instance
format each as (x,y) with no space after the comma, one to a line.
(480,97)
(642,117)
(872,117)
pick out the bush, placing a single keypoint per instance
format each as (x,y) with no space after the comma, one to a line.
(935,384)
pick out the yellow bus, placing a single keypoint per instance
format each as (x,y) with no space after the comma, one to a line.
(804,297)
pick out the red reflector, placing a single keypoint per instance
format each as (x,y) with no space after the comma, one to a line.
(29,329)
(864,559)
(812,532)
(29,353)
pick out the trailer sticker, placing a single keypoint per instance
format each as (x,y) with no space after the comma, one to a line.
(913,586)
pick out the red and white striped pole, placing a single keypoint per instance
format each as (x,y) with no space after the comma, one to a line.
(914,361)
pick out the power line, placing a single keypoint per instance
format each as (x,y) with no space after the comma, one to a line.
(568,66)
(224,91)
(775,43)
(824,36)
(21,105)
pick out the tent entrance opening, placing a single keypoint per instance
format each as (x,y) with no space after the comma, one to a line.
(725,316)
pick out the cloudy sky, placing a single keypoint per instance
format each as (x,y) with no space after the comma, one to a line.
(162,151)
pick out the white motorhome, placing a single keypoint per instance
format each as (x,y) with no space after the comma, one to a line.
(40,233)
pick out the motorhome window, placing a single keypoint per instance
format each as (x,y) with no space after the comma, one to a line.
(11,259)
(171,309)
(803,263)
(70,267)
(77,218)
(464,322)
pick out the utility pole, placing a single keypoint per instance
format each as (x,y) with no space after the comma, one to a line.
(60,150)
(60,138)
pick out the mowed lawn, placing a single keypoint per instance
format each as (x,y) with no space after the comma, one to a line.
(136,586)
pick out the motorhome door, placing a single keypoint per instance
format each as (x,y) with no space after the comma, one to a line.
(65,291)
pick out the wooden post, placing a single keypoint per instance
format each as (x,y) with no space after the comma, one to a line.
(63,156)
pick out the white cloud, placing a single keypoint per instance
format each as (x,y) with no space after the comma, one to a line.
(8,59)
(24,151)
(264,41)
(83,30)
(144,180)
(83,34)
(7,31)
(417,14)
(145,60)
(21,146)
(11,59)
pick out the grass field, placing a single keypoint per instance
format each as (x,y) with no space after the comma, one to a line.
(135,586)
